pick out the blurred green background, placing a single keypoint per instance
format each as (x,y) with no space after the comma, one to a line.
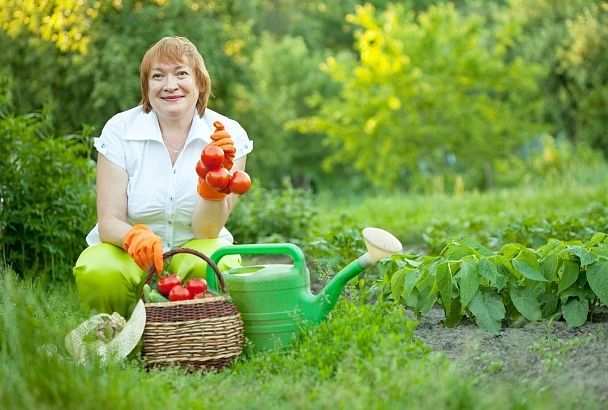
(345,100)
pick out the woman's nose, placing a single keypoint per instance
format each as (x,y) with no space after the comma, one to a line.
(170,82)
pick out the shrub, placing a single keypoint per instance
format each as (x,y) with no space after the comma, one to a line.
(279,215)
(47,200)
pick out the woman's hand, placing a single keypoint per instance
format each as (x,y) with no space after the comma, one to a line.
(145,247)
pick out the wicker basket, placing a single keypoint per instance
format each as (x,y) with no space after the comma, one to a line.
(193,333)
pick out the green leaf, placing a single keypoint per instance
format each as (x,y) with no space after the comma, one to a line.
(548,302)
(597,237)
(428,293)
(585,257)
(411,279)
(509,250)
(488,269)
(397,283)
(455,315)
(524,300)
(457,251)
(474,244)
(488,309)
(469,281)
(443,277)
(597,276)
(527,264)
(548,267)
(568,274)
(575,311)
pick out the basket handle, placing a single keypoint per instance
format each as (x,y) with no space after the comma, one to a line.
(210,263)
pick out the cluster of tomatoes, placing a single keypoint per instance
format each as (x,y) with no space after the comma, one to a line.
(211,168)
(171,286)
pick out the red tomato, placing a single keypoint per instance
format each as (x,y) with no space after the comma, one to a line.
(197,285)
(166,283)
(179,293)
(240,182)
(212,156)
(201,169)
(218,178)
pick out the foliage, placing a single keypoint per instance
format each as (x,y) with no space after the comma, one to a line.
(65,23)
(528,231)
(89,87)
(283,73)
(267,216)
(436,89)
(559,279)
(332,247)
(46,196)
(570,39)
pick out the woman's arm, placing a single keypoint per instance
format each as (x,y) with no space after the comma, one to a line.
(112,183)
(209,217)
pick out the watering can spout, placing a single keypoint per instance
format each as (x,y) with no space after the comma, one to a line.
(379,244)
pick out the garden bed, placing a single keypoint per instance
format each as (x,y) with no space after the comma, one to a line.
(545,354)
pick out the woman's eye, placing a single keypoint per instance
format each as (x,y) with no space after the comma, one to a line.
(157,76)
(182,74)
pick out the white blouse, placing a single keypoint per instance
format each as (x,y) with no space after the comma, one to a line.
(159,194)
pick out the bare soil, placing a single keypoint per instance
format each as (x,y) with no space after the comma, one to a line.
(548,354)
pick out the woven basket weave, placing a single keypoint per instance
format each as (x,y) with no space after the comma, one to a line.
(193,333)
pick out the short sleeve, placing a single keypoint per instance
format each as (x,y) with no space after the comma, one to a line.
(242,143)
(111,144)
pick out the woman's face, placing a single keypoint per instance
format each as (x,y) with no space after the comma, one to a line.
(173,92)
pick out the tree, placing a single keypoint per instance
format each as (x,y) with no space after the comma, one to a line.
(569,38)
(426,92)
(88,86)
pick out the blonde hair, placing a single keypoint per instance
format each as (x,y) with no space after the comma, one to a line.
(175,50)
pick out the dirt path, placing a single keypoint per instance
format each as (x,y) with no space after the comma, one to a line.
(544,353)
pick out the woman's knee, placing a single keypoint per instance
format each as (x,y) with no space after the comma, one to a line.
(188,266)
(107,278)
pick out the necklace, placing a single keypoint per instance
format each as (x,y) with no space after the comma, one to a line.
(175,149)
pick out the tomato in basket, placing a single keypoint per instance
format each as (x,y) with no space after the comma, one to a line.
(197,285)
(166,283)
(179,293)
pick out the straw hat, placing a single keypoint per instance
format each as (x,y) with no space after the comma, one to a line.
(110,337)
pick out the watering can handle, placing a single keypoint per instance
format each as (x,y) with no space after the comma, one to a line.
(257,249)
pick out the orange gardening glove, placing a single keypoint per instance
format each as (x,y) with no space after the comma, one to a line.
(221,138)
(145,247)
(206,191)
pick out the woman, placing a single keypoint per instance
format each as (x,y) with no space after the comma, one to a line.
(149,197)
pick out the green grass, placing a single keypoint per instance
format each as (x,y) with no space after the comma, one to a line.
(408,215)
(363,357)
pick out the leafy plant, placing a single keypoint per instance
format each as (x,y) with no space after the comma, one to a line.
(529,231)
(267,215)
(559,279)
(47,201)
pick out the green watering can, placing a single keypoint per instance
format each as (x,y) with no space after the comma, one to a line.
(274,300)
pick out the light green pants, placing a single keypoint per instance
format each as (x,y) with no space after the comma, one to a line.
(108,280)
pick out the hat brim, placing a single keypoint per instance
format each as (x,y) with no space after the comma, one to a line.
(131,334)
(116,349)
